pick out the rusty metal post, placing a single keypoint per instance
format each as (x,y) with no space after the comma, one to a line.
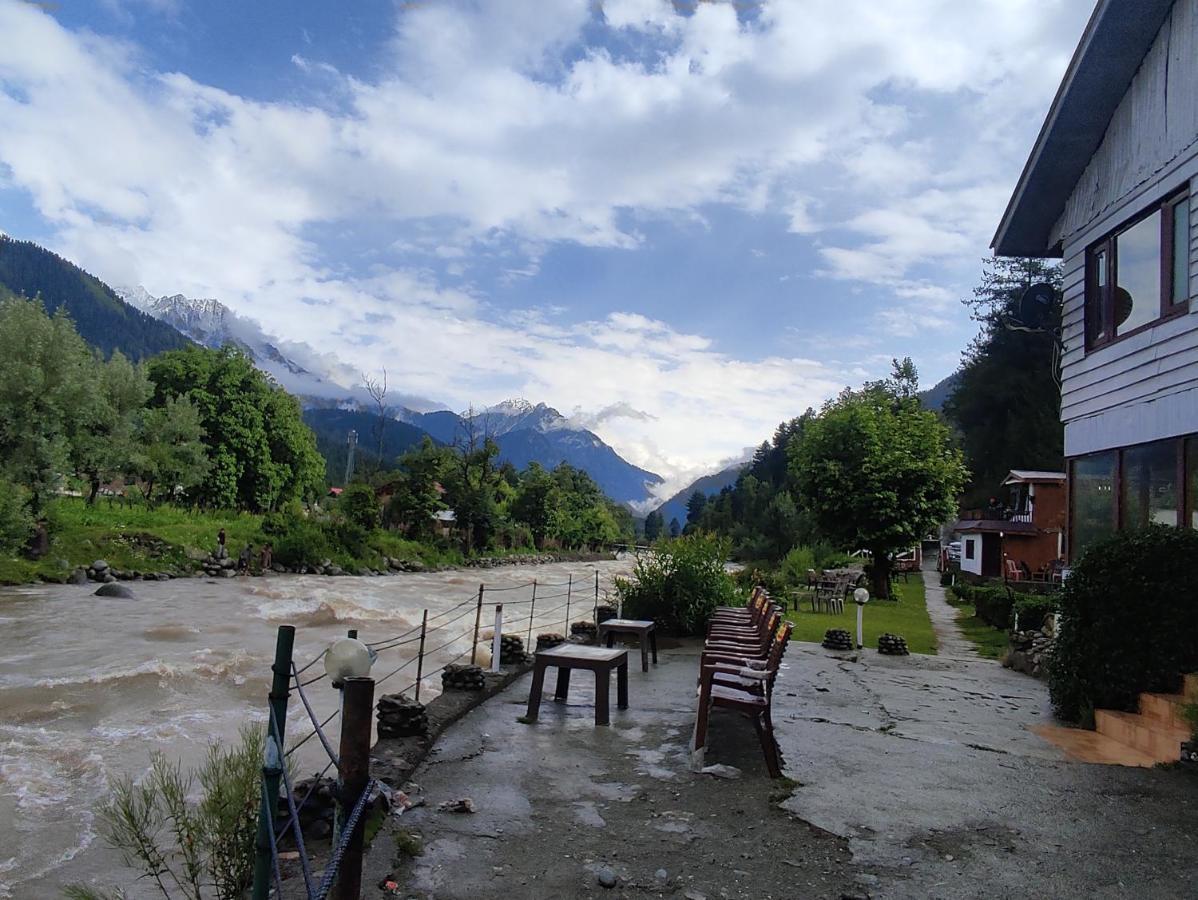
(420,652)
(355,777)
(532,611)
(478,618)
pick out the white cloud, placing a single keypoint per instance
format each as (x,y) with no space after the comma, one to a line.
(492,131)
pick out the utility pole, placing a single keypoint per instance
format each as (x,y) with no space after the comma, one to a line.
(352,443)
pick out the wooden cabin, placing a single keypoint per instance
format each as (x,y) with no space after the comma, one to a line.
(1111,188)
(1021,538)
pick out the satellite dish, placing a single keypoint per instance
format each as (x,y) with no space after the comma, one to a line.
(1036,306)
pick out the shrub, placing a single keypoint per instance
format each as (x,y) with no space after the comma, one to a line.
(795,565)
(16,525)
(303,544)
(679,584)
(189,847)
(1030,610)
(1129,621)
(359,505)
(992,605)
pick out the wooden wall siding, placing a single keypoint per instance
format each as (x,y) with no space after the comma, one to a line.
(1145,386)
(1154,125)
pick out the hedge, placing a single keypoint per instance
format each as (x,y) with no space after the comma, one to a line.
(991,604)
(1129,621)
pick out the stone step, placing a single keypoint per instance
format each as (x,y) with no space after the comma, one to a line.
(1091,747)
(1166,708)
(1191,688)
(1156,739)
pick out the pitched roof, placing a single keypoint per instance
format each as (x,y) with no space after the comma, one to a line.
(1114,44)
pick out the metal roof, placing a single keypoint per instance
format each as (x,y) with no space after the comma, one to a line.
(1114,44)
(1020,476)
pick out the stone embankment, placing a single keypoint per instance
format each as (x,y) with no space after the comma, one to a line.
(213,566)
(1030,648)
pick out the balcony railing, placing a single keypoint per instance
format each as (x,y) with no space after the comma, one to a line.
(999,515)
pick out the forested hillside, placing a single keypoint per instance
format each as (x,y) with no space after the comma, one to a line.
(332,428)
(100,316)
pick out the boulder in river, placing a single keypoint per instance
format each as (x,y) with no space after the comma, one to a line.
(100,565)
(79,576)
(115,590)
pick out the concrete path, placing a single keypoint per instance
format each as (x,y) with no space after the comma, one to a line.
(949,639)
(918,777)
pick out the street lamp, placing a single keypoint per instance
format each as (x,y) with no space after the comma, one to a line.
(860,597)
(348,658)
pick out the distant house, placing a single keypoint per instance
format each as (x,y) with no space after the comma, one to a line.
(1021,538)
(1111,188)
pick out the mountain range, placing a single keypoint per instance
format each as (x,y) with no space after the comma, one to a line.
(675,507)
(140,324)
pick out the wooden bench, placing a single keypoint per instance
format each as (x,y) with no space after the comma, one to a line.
(644,629)
(599,660)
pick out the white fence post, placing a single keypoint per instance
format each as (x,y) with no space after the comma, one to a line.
(497,640)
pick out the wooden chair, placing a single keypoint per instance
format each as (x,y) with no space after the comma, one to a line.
(748,691)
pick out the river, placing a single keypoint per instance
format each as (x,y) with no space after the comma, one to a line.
(90,686)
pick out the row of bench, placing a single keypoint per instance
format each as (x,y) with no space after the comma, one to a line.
(738,668)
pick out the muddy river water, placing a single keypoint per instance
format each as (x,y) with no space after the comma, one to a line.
(90,686)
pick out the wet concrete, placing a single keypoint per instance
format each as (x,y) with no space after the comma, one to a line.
(920,777)
(950,641)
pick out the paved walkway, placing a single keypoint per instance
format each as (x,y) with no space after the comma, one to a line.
(949,639)
(919,777)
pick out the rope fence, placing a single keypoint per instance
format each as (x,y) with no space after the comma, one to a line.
(441,639)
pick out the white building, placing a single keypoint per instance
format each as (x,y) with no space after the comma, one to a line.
(1111,188)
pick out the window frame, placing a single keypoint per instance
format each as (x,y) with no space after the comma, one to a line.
(1105,295)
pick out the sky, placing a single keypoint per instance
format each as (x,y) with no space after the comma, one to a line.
(678,222)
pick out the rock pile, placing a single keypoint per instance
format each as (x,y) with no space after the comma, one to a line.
(545,641)
(892,645)
(219,566)
(603,613)
(583,632)
(511,650)
(837,639)
(462,678)
(401,717)
(316,815)
(100,571)
(1030,649)
(1189,752)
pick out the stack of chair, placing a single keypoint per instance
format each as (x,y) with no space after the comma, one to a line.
(738,668)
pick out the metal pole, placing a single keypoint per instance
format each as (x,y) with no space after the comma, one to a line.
(860,615)
(497,640)
(569,589)
(355,776)
(596,617)
(420,652)
(478,617)
(532,610)
(272,765)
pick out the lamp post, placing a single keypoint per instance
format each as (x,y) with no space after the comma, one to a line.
(860,597)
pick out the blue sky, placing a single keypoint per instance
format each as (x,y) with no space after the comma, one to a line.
(679,222)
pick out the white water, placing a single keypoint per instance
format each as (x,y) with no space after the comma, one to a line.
(90,686)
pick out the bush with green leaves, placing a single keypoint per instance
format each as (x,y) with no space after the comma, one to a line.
(300,542)
(679,584)
(1030,610)
(993,605)
(359,505)
(1129,621)
(187,846)
(16,524)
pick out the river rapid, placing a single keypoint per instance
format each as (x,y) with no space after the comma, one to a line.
(91,686)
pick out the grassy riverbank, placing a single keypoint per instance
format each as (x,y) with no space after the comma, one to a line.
(169,539)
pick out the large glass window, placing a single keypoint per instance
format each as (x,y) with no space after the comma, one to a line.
(1093,497)
(1181,251)
(1139,273)
(1150,485)
(1192,479)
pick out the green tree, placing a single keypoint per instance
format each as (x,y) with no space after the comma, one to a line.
(1006,404)
(46,377)
(877,472)
(262,454)
(359,505)
(694,507)
(103,428)
(675,528)
(170,450)
(416,489)
(16,525)
(653,526)
(535,502)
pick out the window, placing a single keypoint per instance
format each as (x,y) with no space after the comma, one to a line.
(1192,479)
(1139,274)
(1093,498)
(969,549)
(1149,485)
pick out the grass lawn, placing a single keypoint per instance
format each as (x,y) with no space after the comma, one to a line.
(906,617)
(987,640)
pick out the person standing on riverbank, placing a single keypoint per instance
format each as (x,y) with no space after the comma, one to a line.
(221,550)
